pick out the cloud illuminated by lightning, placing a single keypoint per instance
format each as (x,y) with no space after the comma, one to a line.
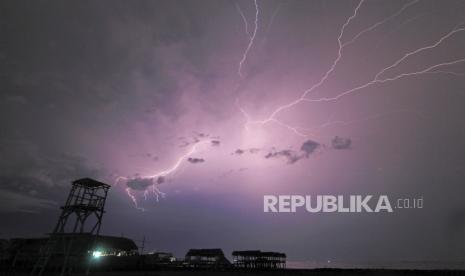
(378,79)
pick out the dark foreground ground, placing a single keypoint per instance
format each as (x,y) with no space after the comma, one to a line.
(290,272)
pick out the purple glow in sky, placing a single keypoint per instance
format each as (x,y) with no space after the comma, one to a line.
(195,110)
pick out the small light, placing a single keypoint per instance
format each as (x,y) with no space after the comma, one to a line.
(97,254)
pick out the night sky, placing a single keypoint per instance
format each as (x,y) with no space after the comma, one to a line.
(199,108)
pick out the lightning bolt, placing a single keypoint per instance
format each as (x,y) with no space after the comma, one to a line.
(246,23)
(170,170)
(429,70)
(434,45)
(272,118)
(447,73)
(251,37)
(330,123)
(178,163)
(379,23)
(134,200)
(376,80)
(153,189)
(294,129)
(270,23)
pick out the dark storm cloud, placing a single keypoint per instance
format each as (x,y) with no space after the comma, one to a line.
(194,160)
(30,177)
(254,150)
(200,134)
(197,137)
(341,143)
(229,172)
(27,202)
(184,144)
(250,150)
(140,184)
(290,155)
(161,180)
(52,169)
(307,148)
(238,152)
(148,156)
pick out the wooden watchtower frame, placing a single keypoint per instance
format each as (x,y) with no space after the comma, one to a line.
(85,201)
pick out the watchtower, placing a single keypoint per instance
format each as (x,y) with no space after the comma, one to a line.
(85,203)
(87,197)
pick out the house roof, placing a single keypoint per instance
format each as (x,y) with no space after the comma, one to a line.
(215,253)
(205,252)
(258,253)
(116,243)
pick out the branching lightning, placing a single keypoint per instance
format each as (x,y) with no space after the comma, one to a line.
(270,23)
(251,37)
(404,7)
(368,118)
(434,45)
(153,189)
(447,73)
(272,118)
(246,23)
(134,199)
(376,80)
(178,163)
(154,177)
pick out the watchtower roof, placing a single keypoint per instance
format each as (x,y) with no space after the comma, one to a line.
(89,182)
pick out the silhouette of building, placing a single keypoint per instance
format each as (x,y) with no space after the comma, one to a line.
(4,253)
(206,258)
(162,256)
(157,259)
(25,252)
(75,245)
(255,259)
